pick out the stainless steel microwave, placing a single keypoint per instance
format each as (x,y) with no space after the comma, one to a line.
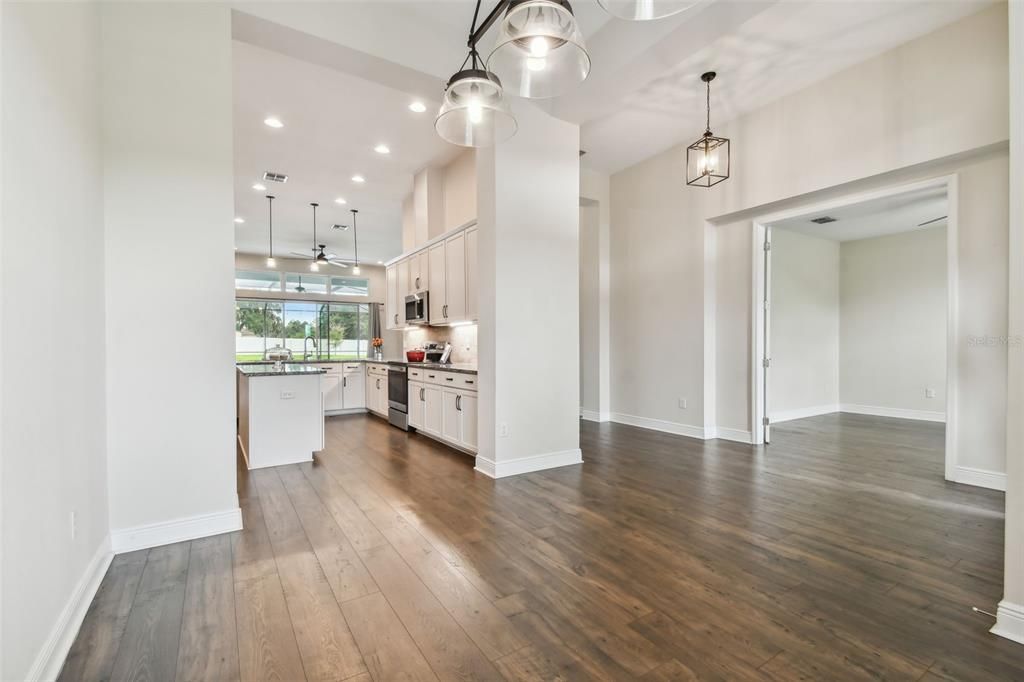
(416,308)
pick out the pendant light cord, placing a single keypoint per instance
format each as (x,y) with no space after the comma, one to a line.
(314,205)
(270,220)
(355,237)
(707,128)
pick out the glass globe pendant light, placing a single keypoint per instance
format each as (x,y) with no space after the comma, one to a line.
(540,51)
(315,265)
(474,112)
(644,10)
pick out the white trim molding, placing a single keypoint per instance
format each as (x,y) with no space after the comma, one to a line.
(983,478)
(895,412)
(735,435)
(525,465)
(1009,621)
(594,415)
(659,425)
(50,658)
(802,413)
(177,530)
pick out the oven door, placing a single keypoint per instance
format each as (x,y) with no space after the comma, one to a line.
(398,388)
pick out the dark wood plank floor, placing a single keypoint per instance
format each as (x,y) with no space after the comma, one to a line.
(836,553)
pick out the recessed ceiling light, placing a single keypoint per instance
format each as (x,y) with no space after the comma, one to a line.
(380,262)
(382,149)
(273,122)
(418,107)
(339,200)
(358,178)
(239,220)
(259,188)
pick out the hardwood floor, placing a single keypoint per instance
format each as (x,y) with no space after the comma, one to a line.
(836,553)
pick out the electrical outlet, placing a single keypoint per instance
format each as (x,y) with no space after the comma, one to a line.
(74,524)
(503,430)
(929,393)
(682,403)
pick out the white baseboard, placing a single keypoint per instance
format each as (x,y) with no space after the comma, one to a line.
(178,530)
(802,413)
(983,478)
(55,649)
(659,425)
(594,415)
(1009,621)
(897,412)
(736,435)
(525,465)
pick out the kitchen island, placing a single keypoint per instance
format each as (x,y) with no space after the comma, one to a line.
(280,413)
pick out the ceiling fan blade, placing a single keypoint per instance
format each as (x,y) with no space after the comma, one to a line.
(933,220)
(300,255)
(340,265)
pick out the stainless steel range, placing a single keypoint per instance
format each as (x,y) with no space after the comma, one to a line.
(398,395)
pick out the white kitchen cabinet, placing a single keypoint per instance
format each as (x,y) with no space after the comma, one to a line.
(436,272)
(416,398)
(377,389)
(353,386)
(455,278)
(432,409)
(330,388)
(419,268)
(450,416)
(472,275)
(403,288)
(467,421)
(392,309)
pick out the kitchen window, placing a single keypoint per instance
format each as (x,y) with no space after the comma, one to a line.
(310,329)
(350,286)
(255,280)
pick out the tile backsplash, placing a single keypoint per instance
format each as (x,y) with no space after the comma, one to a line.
(462,338)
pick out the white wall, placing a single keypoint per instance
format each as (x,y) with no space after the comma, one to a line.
(804,345)
(529,196)
(595,292)
(460,190)
(893,321)
(885,121)
(168,209)
(52,431)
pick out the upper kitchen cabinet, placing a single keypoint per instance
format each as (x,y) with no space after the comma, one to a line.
(419,268)
(455,278)
(394,310)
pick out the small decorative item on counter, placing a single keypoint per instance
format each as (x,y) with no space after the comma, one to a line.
(415,355)
(377,344)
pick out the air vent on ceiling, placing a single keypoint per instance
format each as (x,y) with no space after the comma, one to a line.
(275,177)
(338,226)
(823,219)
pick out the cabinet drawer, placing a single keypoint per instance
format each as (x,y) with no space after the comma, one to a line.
(467,382)
(416,374)
(352,367)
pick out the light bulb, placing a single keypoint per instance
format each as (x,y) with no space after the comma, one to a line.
(355,270)
(271,263)
(539,47)
(536,63)
(476,111)
(313,267)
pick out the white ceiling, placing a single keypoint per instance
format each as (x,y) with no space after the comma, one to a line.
(332,122)
(875,218)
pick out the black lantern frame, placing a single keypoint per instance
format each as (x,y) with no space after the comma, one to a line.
(708,159)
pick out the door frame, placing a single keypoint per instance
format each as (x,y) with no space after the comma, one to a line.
(759,314)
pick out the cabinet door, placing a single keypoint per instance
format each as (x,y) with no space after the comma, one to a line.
(422,270)
(391,307)
(432,398)
(455,277)
(467,421)
(330,387)
(403,287)
(416,404)
(450,427)
(472,275)
(353,389)
(438,296)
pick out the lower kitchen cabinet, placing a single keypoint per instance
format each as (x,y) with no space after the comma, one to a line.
(377,389)
(330,388)
(353,387)
(443,411)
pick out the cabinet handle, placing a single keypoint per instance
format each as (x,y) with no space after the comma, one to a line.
(430,376)
(449,379)
(469,381)
(458,403)
(344,382)
(421,395)
(378,383)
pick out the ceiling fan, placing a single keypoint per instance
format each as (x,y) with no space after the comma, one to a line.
(320,256)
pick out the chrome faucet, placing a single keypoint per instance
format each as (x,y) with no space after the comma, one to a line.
(306,353)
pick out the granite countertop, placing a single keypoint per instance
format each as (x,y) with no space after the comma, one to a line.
(267,369)
(257,368)
(457,367)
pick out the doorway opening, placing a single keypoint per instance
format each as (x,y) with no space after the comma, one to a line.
(854,312)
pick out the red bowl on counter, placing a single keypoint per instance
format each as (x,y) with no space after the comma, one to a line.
(415,355)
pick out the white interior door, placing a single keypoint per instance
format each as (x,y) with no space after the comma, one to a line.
(766,361)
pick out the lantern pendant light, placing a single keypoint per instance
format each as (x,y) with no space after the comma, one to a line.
(707,159)
(474,112)
(644,10)
(355,241)
(315,265)
(540,50)
(271,263)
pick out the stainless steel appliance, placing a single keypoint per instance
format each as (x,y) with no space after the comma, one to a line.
(398,396)
(417,309)
(432,352)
